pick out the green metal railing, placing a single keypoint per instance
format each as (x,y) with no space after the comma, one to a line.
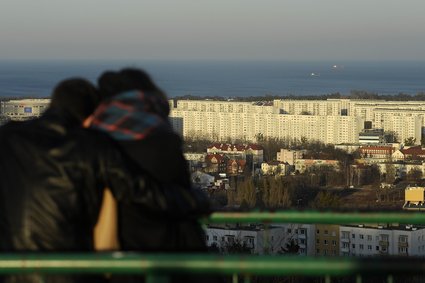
(313,217)
(154,266)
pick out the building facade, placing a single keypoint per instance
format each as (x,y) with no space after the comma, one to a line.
(332,121)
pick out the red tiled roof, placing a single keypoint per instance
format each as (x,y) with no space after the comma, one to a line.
(414,150)
(209,157)
(233,147)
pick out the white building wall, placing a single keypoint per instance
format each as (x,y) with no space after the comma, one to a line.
(373,241)
(224,119)
(23,109)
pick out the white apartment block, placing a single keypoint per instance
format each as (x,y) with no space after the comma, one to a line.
(289,156)
(23,109)
(404,240)
(259,239)
(263,239)
(330,121)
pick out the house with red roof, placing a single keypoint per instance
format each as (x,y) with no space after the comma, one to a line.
(238,150)
(376,153)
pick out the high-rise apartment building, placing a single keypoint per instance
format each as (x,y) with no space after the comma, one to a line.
(330,121)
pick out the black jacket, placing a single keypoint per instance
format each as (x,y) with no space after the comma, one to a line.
(161,156)
(52,176)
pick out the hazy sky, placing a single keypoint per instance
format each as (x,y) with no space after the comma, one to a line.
(213,29)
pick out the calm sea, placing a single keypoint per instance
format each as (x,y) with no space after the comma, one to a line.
(227,79)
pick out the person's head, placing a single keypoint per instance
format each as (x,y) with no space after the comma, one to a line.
(75,97)
(111,83)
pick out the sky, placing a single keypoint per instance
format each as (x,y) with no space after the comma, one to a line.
(213,29)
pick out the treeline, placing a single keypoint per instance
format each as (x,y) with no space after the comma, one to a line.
(281,193)
(354,94)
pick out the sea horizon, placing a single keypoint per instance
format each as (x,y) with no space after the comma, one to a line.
(224,78)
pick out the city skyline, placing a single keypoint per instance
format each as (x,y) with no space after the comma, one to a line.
(226,30)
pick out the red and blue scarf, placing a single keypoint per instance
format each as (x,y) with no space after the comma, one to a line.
(133,115)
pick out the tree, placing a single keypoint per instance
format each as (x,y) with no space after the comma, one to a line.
(414,175)
(390,173)
(247,194)
(276,193)
(410,141)
(325,200)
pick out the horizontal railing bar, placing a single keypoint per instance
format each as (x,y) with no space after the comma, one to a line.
(314,217)
(133,263)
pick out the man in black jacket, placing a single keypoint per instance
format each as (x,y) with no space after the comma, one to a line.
(52,176)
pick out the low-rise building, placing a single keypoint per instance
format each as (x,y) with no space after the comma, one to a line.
(239,150)
(275,168)
(289,156)
(414,198)
(371,136)
(376,153)
(302,165)
(256,238)
(24,109)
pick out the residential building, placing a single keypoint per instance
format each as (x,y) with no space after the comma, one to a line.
(275,168)
(23,109)
(327,240)
(381,240)
(289,156)
(257,238)
(332,121)
(238,151)
(302,165)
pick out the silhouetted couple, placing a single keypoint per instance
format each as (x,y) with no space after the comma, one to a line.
(54,175)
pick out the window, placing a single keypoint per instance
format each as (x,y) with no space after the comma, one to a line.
(361,247)
(289,230)
(317,241)
(402,238)
(215,238)
(317,231)
(369,247)
(353,236)
(333,243)
(326,232)
(369,237)
(377,248)
(361,236)
(353,246)
(207,237)
(325,242)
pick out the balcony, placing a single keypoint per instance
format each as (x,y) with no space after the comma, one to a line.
(345,240)
(384,243)
(156,267)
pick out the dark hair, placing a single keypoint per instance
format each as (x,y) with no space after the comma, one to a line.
(111,83)
(76,97)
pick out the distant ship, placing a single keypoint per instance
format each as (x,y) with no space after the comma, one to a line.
(315,75)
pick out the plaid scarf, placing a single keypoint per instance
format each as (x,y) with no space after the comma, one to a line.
(133,115)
